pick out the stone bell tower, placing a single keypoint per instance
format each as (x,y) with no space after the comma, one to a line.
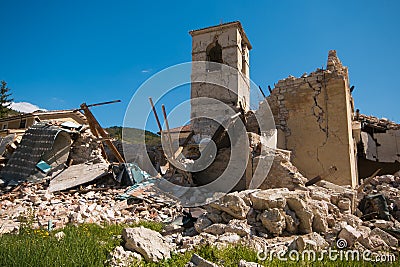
(226,44)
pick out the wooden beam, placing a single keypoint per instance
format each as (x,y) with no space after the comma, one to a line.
(101,132)
(155,114)
(169,133)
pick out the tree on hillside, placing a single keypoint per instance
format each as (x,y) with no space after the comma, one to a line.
(5,100)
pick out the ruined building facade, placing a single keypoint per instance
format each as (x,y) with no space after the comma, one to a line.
(314,114)
(314,119)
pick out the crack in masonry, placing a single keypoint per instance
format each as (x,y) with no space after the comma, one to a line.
(320,116)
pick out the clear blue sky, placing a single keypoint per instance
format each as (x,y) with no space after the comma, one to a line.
(58,54)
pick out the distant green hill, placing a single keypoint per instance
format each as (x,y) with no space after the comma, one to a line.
(133,135)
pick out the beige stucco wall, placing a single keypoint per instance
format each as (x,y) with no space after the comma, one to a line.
(313,115)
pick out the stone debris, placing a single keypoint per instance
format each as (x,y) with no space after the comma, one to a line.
(60,235)
(389,187)
(150,244)
(197,261)
(243,263)
(314,218)
(122,258)
(91,204)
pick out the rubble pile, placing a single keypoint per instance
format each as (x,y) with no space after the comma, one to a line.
(377,122)
(90,204)
(389,187)
(315,217)
(86,149)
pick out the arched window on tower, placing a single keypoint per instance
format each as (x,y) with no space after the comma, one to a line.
(214,54)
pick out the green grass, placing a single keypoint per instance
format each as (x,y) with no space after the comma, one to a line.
(89,245)
(85,245)
(134,136)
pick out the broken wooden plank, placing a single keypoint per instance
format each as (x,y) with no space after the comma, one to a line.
(102,133)
(367,181)
(77,175)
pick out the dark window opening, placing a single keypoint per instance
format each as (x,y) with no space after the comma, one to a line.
(22,124)
(214,54)
(244,47)
(244,64)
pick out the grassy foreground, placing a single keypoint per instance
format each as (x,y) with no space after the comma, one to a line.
(89,244)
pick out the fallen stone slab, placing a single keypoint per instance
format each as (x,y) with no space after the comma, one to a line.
(76,175)
(232,204)
(201,223)
(150,244)
(122,258)
(274,221)
(350,234)
(268,199)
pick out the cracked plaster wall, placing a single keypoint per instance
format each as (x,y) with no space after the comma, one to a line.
(313,115)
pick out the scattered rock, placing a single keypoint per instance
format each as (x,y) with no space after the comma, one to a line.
(229,238)
(122,258)
(239,227)
(215,229)
(268,199)
(202,223)
(150,244)
(274,221)
(311,241)
(390,240)
(350,234)
(302,211)
(233,205)
(243,263)
(60,235)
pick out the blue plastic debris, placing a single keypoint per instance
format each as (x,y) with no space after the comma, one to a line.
(43,166)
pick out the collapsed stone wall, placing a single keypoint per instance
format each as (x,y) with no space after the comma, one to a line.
(313,115)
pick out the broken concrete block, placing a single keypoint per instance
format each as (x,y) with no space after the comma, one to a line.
(150,244)
(320,211)
(390,240)
(229,238)
(233,205)
(268,199)
(197,261)
(201,223)
(215,229)
(311,241)
(122,258)
(350,234)
(351,220)
(382,224)
(239,227)
(344,204)
(303,212)
(274,221)
(292,222)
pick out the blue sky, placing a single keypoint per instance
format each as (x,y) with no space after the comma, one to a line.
(58,54)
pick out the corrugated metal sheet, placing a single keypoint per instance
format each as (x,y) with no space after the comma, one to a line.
(36,142)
